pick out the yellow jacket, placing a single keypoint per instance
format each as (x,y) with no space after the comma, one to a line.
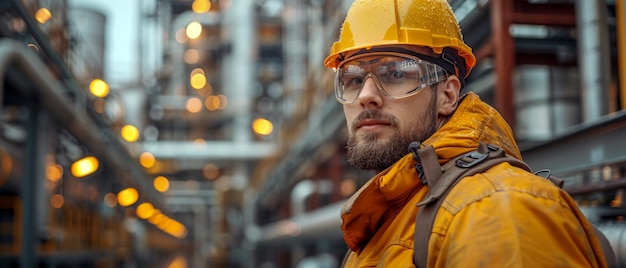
(505,217)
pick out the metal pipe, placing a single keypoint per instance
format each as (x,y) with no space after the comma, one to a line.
(29,185)
(323,222)
(303,190)
(620,10)
(616,234)
(299,195)
(593,51)
(251,229)
(243,62)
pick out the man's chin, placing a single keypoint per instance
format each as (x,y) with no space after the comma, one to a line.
(370,137)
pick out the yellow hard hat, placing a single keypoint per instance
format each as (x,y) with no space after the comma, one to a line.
(428,23)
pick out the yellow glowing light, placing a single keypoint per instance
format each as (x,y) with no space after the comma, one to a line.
(130,133)
(99,88)
(201,6)
(161,184)
(197,81)
(155,214)
(156,168)
(127,197)
(43,15)
(193,30)
(174,228)
(145,210)
(262,126)
(179,262)
(84,166)
(54,172)
(194,105)
(181,232)
(157,218)
(57,201)
(165,221)
(147,160)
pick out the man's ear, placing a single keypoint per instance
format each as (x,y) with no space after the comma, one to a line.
(448,98)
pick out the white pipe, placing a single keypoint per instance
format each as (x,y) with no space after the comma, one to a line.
(594,62)
(303,190)
(324,223)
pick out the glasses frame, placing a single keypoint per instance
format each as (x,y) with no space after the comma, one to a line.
(440,75)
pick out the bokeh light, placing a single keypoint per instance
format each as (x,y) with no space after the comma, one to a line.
(43,15)
(127,197)
(262,126)
(193,30)
(161,184)
(99,88)
(84,166)
(130,133)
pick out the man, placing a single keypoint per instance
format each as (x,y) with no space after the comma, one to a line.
(400,66)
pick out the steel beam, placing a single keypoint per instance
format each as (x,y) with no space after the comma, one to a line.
(551,14)
(585,147)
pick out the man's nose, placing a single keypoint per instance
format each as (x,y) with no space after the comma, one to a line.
(370,93)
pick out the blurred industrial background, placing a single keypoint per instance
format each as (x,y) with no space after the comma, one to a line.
(197,133)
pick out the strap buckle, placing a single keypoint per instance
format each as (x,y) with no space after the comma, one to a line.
(474,157)
(471,159)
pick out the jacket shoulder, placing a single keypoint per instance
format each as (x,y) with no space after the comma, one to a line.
(501,178)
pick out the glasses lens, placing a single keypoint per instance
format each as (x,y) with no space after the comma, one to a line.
(349,82)
(399,77)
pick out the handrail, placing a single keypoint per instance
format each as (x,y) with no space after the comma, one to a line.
(13,53)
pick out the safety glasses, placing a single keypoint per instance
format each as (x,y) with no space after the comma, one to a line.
(397,75)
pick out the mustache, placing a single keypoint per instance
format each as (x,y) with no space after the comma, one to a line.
(374,115)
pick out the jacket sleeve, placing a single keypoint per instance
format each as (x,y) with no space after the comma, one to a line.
(510,228)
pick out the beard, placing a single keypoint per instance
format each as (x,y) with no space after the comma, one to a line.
(367,152)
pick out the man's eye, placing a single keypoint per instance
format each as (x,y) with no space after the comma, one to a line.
(397,75)
(352,80)
(394,76)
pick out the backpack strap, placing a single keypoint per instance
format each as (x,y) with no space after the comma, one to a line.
(441,179)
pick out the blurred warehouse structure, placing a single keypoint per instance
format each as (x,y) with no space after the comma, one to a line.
(228,149)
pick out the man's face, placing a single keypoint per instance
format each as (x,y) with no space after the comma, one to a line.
(381,128)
